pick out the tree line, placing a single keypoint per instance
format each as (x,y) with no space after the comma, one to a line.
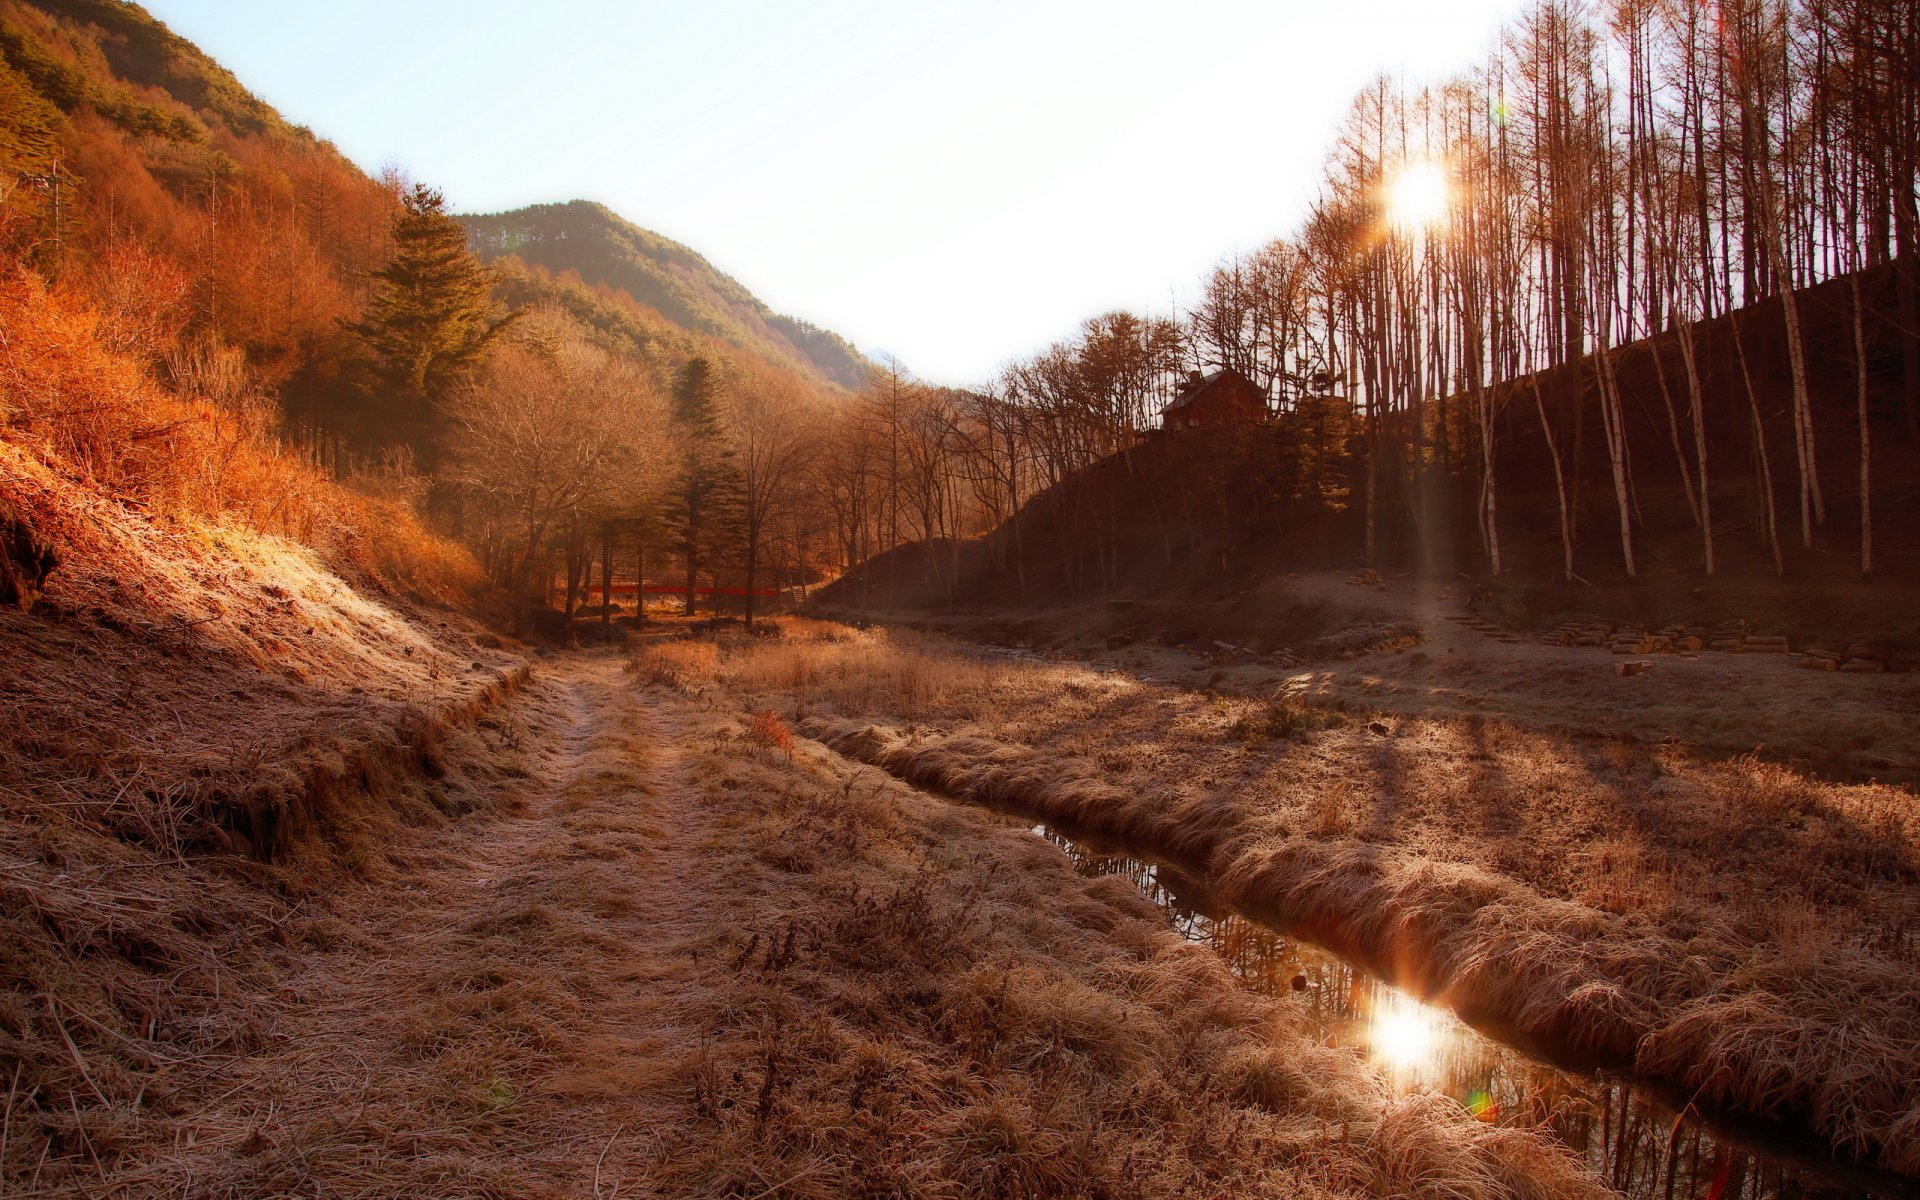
(1657,269)
(1650,267)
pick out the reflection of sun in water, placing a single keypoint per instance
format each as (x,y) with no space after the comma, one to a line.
(1417,195)
(1403,1034)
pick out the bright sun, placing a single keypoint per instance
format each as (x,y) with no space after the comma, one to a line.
(1403,1035)
(1417,195)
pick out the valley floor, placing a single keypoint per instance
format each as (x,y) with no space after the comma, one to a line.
(684,954)
(1737,930)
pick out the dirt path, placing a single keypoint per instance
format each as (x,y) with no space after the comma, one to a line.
(496,983)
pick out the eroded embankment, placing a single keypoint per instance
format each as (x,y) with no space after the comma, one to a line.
(201,735)
(133,964)
(1570,980)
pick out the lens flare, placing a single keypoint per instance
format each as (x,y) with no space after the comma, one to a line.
(1417,195)
(1403,1036)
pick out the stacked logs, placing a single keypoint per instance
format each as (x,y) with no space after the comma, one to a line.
(1860,658)
(1685,639)
(1867,658)
(1672,639)
(1629,640)
(1731,637)
(1728,636)
(1580,631)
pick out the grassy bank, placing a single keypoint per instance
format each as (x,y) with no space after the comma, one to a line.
(1731,927)
(945,1004)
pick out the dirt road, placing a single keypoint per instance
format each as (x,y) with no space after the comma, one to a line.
(474,1005)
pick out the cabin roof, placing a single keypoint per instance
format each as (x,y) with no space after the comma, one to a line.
(1198,385)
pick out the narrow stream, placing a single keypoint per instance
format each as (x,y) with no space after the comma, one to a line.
(1629,1133)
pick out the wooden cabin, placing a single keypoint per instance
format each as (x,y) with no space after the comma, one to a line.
(1219,399)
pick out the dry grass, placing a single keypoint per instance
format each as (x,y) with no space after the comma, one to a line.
(944,1008)
(827,664)
(680,962)
(229,664)
(688,666)
(1734,927)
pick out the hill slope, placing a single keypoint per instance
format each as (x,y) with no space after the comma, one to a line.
(603,249)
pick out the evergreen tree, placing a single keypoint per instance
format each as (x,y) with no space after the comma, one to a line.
(429,324)
(34,204)
(704,508)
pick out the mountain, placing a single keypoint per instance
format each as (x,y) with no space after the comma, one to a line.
(117,59)
(605,250)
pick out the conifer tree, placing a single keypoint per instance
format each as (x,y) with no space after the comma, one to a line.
(704,508)
(32,176)
(429,323)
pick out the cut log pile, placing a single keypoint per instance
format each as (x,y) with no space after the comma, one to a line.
(1625,639)
(1729,637)
(1860,658)
(1580,630)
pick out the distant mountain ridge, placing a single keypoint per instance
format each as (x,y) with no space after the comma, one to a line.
(604,249)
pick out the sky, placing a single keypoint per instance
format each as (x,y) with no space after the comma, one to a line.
(957,183)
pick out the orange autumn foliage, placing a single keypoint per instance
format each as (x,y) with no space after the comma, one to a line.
(101,419)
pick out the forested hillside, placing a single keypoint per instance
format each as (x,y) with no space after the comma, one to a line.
(587,240)
(344,323)
(1640,294)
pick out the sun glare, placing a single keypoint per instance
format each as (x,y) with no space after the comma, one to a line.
(1403,1035)
(1417,195)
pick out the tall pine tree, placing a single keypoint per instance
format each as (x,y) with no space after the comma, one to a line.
(429,323)
(34,205)
(704,508)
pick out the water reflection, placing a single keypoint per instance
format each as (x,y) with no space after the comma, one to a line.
(1627,1132)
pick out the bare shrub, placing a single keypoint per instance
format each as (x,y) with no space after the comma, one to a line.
(769,731)
(869,670)
(688,665)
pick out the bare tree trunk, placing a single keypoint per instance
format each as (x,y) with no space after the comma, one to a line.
(1698,403)
(1866,444)
(606,575)
(640,580)
(1559,483)
(1813,508)
(523,581)
(693,568)
(574,565)
(1489,507)
(1614,420)
(1907,283)
(753,570)
(1769,516)
(1673,428)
